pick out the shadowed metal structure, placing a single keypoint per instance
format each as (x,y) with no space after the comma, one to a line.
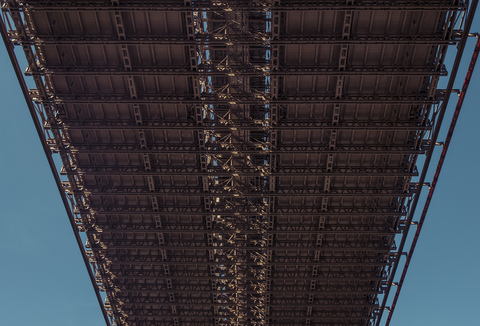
(239,162)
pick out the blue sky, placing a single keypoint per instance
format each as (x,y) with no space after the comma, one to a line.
(43,280)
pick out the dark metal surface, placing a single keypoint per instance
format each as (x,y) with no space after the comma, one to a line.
(238,162)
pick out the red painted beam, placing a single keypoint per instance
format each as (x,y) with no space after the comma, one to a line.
(453,123)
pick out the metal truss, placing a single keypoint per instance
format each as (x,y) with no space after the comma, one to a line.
(239,234)
(49,116)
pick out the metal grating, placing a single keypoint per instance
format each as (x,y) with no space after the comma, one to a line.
(239,162)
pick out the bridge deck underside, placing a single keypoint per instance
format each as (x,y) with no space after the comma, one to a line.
(234,166)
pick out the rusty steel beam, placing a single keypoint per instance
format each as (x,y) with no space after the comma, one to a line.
(443,154)
(231,125)
(290,6)
(306,276)
(115,171)
(280,246)
(207,98)
(353,295)
(251,70)
(235,149)
(239,39)
(429,154)
(247,195)
(276,264)
(110,230)
(288,319)
(242,211)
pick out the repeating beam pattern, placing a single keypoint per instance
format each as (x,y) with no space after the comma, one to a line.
(238,162)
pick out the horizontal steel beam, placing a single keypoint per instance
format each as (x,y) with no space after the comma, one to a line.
(225,264)
(108,230)
(223,261)
(232,125)
(221,40)
(156,302)
(242,211)
(155,305)
(275,278)
(243,70)
(347,319)
(227,189)
(232,304)
(170,224)
(107,173)
(354,150)
(205,321)
(324,279)
(222,293)
(247,6)
(239,245)
(243,192)
(246,196)
(115,171)
(198,287)
(206,290)
(236,98)
(225,296)
(235,149)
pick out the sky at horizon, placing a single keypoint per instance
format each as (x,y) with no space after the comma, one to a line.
(43,280)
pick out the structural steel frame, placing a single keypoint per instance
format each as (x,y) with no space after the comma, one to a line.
(256,183)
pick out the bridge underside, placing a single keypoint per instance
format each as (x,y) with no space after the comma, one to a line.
(238,162)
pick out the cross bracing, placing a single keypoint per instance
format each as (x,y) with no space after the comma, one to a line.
(239,162)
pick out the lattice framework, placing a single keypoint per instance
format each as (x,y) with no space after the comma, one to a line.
(238,162)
